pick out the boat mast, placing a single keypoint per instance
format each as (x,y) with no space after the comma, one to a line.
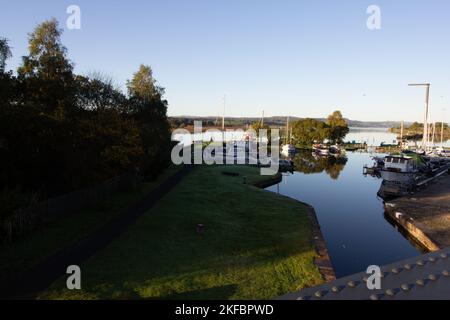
(425,124)
(223,118)
(434,133)
(430,132)
(287,131)
(401,132)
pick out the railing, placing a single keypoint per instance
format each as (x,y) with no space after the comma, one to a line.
(25,219)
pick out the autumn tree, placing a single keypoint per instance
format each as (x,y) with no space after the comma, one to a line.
(308,131)
(62,132)
(338,127)
(46,72)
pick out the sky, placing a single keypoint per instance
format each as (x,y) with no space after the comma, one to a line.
(299,58)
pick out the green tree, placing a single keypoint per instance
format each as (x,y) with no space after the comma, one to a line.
(308,131)
(338,127)
(149,109)
(46,73)
(144,86)
(96,94)
(5,53)
(7,81)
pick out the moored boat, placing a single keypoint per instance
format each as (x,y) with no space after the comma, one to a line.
(401,168)
(321,150)
(335,149)
(288,149)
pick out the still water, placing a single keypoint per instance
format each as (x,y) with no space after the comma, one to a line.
(350,214)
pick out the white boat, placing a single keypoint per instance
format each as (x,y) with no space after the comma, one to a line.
(321,150)
(288,149)
(400,169)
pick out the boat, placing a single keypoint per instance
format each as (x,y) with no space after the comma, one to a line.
(288,149)
(443,152)
(402,168)
(375,170)
(321,150)
(335,149)
(286,166)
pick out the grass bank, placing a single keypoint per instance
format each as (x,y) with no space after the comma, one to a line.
(256,245)
(48,239)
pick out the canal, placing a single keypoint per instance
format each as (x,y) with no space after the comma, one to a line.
(349,211)
(350,214)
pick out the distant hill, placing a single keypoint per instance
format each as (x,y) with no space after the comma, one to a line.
(277,121)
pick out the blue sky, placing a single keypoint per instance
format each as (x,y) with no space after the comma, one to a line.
(302,58)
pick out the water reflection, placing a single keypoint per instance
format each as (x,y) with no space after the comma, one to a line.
(310,163)
(350,214)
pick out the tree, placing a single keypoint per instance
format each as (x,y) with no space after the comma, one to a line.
(96,94)
(308,131)
(7,81)
(338,127)
(5,53)
(309,163)
(144,86)
(46,73)
(149,109)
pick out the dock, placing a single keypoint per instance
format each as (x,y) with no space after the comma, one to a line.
(425,215)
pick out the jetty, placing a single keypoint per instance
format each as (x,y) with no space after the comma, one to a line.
(425,215)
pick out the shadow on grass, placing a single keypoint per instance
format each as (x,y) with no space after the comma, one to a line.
(224,292)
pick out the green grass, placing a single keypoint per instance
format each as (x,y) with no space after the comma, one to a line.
(256,245)
(49,239)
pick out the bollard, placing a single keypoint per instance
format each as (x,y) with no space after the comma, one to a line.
(200,228)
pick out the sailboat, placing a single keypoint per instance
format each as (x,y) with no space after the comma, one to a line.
(288,148)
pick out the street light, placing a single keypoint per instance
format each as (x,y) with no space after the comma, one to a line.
(425,122)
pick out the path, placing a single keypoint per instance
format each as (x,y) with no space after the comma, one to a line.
(426,214)
(40,277)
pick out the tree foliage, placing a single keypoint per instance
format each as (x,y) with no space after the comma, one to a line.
(62,132)
(308,131)
(309,163)
(5,53)
(338,127)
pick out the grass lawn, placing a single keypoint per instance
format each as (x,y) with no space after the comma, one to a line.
(256,245)
(49,239)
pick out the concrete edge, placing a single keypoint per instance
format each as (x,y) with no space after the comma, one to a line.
(323,260)
(407,223)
